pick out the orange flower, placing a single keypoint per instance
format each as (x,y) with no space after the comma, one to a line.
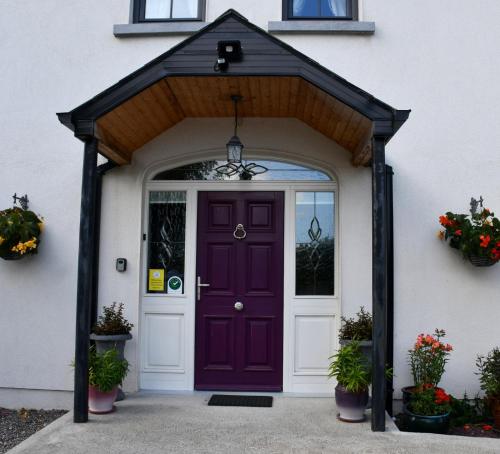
(485,240)
(458,232)
(445,221)
(429,339)
(487,427)
(466,427)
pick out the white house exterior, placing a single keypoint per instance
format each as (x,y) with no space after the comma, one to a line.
(439,59)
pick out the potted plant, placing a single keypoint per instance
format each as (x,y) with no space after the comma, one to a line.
(359,329)
(353,373)
(111,331)
(20,231)
(477,235)
(428,410)
(489,372)
(106,372)
(427,360)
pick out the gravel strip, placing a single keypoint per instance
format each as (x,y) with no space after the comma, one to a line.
(17,425)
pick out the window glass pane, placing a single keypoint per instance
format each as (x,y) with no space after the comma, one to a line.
(166,242)
(319,8)
(306,8)
(314,243)
(185,9)
(157,9)
(276,171)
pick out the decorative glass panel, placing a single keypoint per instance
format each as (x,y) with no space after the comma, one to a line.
(277,171)
(171,9)
(319,8)
(314,243)
(166,242)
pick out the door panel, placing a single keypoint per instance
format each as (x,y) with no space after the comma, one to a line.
(240,350)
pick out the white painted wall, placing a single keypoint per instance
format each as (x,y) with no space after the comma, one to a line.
(438,58)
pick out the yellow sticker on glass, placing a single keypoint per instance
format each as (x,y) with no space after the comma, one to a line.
(156,280)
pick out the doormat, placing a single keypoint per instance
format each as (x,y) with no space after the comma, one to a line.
(224,400)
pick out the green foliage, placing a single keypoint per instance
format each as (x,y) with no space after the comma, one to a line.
(468,411)
(351,368)
(489,373)
(19,232)
(112,321)
(106,370)
(428,358)
(359,328)
(430,401)
(477,234)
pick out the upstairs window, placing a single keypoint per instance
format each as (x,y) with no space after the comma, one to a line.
(321,9)
(167,10)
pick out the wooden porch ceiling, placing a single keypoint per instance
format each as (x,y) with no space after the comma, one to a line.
(154,110)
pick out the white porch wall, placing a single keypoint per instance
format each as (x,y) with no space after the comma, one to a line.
(438,58)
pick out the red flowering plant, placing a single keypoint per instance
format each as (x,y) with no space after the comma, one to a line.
(476,235)
(428,358)
(430,401)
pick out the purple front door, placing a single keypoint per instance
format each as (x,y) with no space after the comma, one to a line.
(239,317)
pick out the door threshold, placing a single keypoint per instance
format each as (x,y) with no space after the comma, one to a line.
(195,392)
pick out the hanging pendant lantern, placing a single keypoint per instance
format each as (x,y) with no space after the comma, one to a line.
(235,153)
(234,150)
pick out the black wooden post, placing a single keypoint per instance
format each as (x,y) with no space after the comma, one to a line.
(379,282)
(85,278)
(390,287)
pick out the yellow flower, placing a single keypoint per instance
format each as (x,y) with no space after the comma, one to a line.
(440,235)
(41,226)
(1,240)
(31,243)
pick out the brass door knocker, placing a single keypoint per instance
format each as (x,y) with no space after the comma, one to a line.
(240,233)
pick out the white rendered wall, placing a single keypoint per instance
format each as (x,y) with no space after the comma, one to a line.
(438,58)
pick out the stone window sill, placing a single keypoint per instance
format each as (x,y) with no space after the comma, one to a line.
(157,28)
(343,27)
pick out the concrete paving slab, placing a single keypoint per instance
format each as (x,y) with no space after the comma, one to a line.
(154,424)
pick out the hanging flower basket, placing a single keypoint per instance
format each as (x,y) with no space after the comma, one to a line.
(475,235)
(481,261)
(19,233)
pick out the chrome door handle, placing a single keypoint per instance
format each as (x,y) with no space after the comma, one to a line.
(238,306)
(199,285)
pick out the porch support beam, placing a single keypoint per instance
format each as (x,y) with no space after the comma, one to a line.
(85,278)
(379,282)
(390,288)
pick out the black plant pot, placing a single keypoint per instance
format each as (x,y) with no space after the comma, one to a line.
(351,406)
(407,393)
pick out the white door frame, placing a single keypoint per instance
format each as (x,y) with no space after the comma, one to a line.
(167,322)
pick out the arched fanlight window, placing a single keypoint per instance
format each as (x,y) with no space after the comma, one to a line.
(278,171)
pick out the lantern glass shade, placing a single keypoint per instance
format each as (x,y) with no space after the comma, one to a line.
(234,149)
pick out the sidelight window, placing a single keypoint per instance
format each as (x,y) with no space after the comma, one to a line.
(314,243)
(166,242)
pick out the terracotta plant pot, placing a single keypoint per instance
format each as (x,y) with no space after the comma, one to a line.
(351,406)
(100,402)
(495,411)
(429,424)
